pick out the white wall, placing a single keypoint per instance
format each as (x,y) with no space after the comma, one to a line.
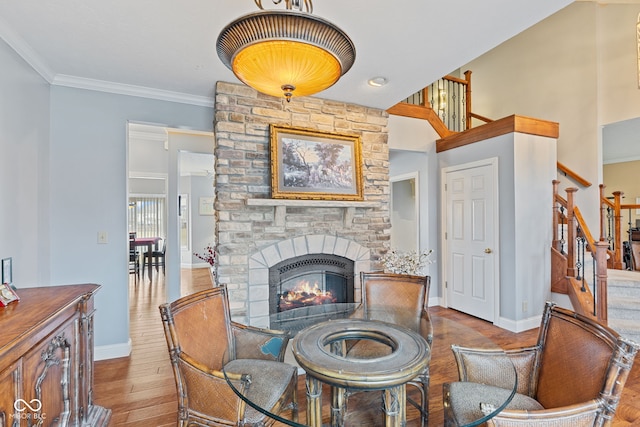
(619,94)
(24,169)
(550,72)
(579,67)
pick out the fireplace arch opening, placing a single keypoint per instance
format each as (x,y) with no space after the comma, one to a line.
(311,279)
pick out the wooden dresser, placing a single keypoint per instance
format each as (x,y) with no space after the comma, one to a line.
(46,358)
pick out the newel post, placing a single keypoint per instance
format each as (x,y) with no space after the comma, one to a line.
(571,234)
(556,243)
(617,215)
(467,76)
(603,214)
(601,282)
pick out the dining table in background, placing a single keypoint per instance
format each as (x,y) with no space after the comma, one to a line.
(149,242)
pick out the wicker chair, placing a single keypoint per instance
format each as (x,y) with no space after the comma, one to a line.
(203,341)
(573,376)
(408,293)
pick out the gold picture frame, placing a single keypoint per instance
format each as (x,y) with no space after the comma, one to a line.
(314,165)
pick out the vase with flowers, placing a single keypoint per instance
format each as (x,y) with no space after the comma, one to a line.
(210,256)
(412,262)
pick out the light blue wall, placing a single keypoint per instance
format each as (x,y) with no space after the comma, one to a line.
(88,191)
(526,166)
(202,226)
(63,169)
(404,162)
(24,169)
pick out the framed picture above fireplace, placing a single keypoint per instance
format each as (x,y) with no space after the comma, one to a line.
(308,164)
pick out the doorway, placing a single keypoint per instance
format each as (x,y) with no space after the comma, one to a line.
(184,159)
(471,260)
(405,224)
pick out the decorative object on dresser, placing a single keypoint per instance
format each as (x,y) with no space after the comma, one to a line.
(308,164)
(46,358)
(7,271)
(7,295)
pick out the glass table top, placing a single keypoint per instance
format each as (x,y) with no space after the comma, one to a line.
(440,332)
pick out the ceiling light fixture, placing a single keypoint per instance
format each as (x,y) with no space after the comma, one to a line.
(286,52)
(378,81)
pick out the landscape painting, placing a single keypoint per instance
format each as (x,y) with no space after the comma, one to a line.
(307,164)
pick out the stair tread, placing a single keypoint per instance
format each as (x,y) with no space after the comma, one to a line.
(625,324)
(623,276)
(623,301)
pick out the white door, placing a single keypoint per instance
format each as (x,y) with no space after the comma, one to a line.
(471,238)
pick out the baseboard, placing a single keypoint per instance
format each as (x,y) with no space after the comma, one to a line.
(508,324)
(435,301)
(518,325)
(112,351)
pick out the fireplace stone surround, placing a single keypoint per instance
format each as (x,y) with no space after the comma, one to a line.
(253,231)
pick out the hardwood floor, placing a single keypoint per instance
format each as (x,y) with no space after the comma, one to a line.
(140,389)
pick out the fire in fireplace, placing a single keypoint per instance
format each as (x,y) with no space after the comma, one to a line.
(310,280)
(303,294)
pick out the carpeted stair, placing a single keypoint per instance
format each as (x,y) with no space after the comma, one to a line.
(624,302)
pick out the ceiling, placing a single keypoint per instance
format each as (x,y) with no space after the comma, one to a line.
(621,141)
(165,49)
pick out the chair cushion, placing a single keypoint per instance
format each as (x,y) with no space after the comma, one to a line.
(465,399)
(269,380)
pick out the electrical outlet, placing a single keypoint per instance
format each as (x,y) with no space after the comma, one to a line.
(102,237)
(525,306)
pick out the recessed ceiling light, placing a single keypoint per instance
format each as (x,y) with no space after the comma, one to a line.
(378,81)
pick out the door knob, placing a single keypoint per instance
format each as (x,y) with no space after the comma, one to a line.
(488,251)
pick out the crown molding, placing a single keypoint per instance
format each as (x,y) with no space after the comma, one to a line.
(620,160)
(130,90)
(35,61)
(25,51)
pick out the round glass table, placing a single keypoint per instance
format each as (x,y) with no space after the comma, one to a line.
(322,350)
(324,343)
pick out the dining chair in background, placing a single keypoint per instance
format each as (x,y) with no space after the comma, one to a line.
(157,256)
(134,257)
(573,376)
(397,298)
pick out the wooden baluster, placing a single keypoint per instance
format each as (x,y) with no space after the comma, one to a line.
(617,217)
(571,234)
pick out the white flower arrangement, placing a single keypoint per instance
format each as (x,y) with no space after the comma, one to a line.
(406,262)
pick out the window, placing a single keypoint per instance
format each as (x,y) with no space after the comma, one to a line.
(147,216)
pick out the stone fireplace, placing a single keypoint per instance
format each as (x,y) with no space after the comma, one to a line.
(256,234)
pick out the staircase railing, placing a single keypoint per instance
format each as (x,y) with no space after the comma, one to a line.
(572,243)
(612,214)
(570,173)
(445,103)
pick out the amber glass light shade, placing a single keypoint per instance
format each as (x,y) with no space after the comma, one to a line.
(285,53)
(270,65)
